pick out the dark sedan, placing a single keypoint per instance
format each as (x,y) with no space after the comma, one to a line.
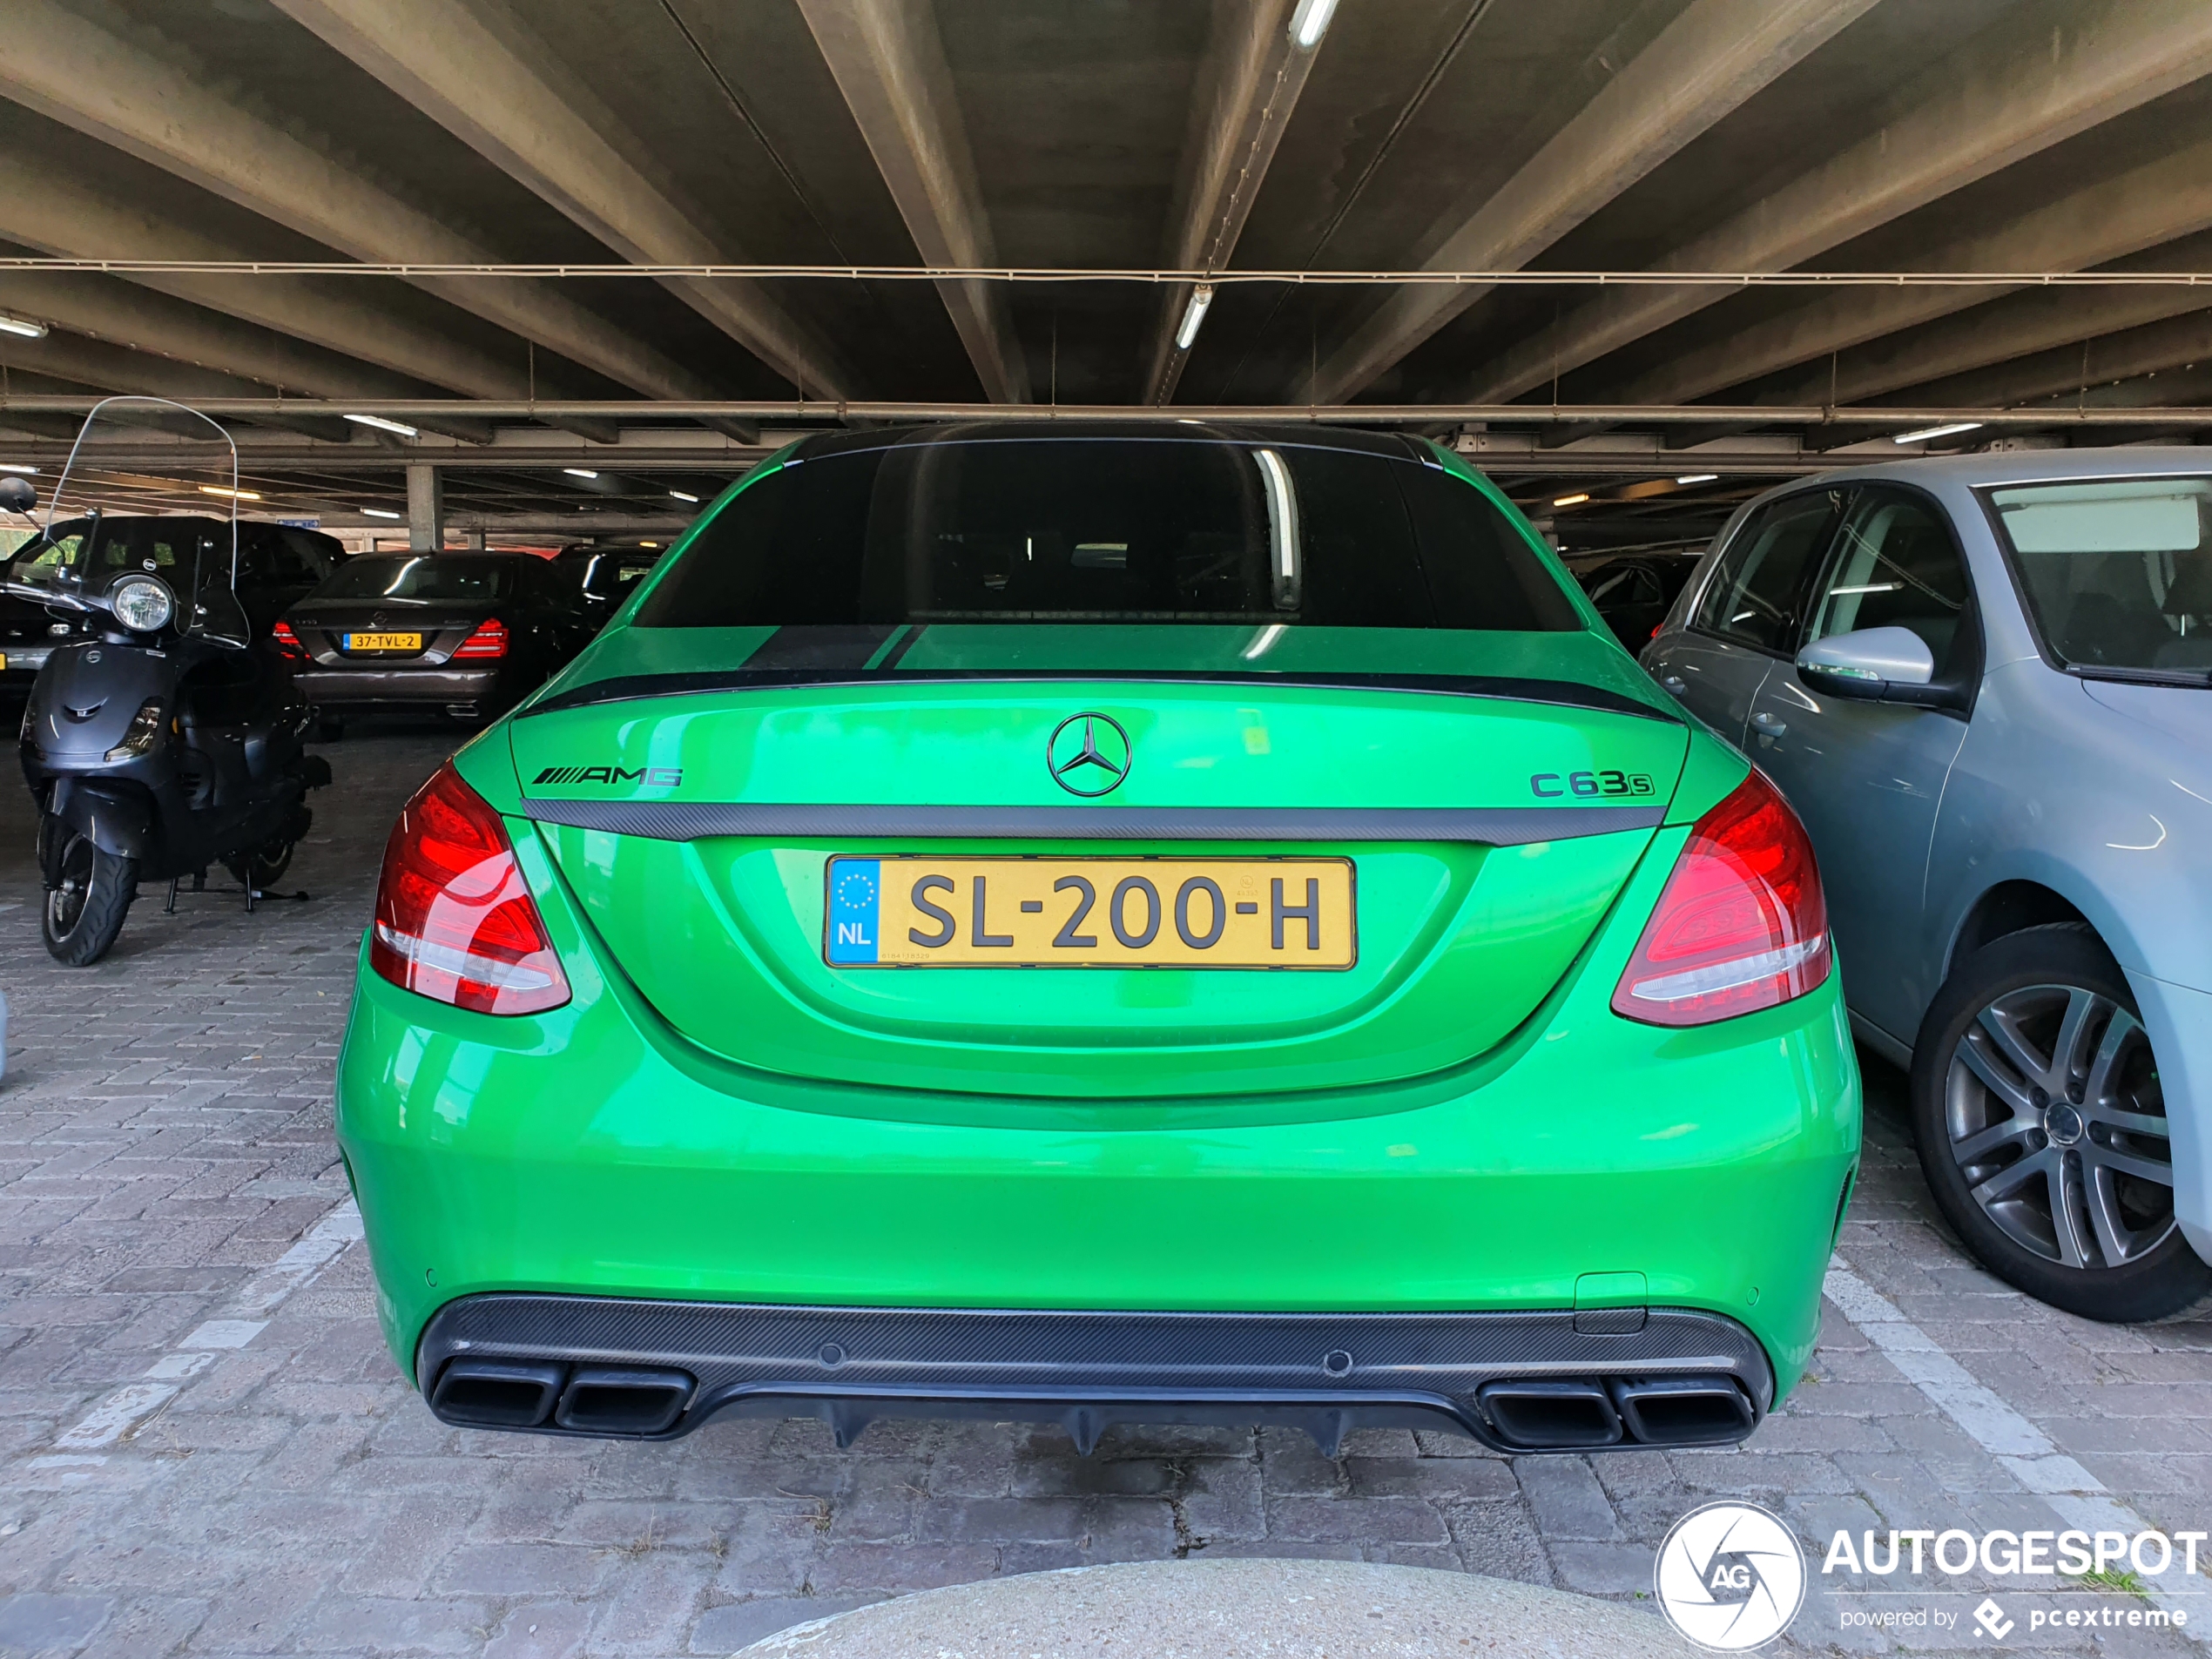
(1632,590)
(608,572)
(278,564)
(468,635)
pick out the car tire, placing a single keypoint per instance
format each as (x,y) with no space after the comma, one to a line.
(2036,1104)
(82,916)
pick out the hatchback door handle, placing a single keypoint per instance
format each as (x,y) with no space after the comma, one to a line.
(1769,725)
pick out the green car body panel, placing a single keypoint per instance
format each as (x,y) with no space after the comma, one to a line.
(1459,1123)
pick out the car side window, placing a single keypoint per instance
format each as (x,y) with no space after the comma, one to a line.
(299,558)
(1897,565)
(1756,592)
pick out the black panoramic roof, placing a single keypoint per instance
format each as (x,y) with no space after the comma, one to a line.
(1353,439)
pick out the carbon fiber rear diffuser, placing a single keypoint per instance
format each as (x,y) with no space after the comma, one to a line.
(1518,1381)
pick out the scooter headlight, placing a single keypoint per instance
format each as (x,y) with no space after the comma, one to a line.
(142,604)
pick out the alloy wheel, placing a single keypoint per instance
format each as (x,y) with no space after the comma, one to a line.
(2055,1118)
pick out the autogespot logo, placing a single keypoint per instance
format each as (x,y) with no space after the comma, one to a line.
(1087,754)
(1730,1577)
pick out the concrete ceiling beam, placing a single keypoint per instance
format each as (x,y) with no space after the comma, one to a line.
(120,313)
(498,93)
(1254,71)
(1704,64)
(112,368)
(2004,96)
(42,208)
(889,60)
(75,73)
(2108,219)
(2081,371)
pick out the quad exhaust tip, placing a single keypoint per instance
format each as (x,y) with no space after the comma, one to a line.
(1578,1414)
(611,1400)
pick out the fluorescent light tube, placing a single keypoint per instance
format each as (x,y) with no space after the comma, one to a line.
(1311,21)
(378,512)
(1697,478)
(1575,500)
(579,472)
(1193,314)
(1927,432)
(23,326)
(228,493)
(383,425)
(684,496)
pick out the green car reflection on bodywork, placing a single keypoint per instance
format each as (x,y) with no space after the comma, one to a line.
(1459,1123)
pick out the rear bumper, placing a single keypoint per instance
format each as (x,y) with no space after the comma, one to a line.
(592,1152)
(618,1367)
(387,687)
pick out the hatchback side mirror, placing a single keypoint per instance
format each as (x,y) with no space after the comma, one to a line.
(1880,664)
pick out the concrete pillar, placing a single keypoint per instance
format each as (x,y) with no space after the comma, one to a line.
(426,507)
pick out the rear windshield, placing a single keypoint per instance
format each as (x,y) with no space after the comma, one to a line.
(2117,572)
(1109,530)
(423,578)
(612,575)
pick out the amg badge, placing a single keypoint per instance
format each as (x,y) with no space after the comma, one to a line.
(656,777)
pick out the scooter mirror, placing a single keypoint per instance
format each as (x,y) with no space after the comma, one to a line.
(17,494)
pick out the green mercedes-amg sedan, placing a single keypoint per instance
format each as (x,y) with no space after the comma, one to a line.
(1091,923)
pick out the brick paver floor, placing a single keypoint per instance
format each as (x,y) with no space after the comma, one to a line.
(166,1162)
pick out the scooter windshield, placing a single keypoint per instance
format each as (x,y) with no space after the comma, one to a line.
(151,488)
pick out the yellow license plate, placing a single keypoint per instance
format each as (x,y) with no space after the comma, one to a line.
(1090,913)
(4,662)
(383,642)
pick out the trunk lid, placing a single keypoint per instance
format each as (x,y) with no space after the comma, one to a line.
(1492,793)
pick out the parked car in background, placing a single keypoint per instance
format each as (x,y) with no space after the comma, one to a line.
(278,564)
(467,634)
(608,572)
(1633,590)
(1985,684)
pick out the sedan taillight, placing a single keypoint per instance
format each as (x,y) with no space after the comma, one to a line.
(488,639)
(1741,924)
(287,643)
(454,921)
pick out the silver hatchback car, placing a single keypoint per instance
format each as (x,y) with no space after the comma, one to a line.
(1985,685)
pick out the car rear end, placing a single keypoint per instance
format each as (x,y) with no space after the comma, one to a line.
(431,633)
(1195,926)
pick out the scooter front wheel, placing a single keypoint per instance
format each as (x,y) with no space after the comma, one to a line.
(86,913)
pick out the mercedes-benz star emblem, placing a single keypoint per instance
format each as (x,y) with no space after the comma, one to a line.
(1087,754)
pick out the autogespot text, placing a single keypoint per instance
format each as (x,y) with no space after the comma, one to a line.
(1999,1553)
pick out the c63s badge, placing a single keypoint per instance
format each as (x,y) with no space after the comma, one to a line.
(654,777)
(1614,784)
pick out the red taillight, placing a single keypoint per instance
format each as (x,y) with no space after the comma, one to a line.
(489,639)
(1741,925)
(454,919)
(287,643)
